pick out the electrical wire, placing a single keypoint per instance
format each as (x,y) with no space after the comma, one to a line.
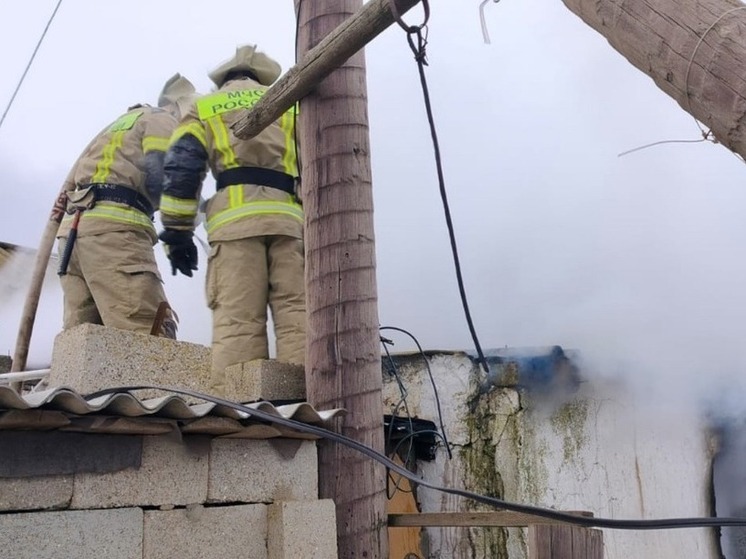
(28,66)
(707,135)
(482,20)
(432,382)
(394,414)
(420,56)
(588,522)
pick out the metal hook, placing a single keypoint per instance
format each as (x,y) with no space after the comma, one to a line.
(485,32)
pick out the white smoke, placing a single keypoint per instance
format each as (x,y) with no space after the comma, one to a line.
(15,278)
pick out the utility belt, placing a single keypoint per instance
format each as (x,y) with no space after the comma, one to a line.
(85,197)
(256,175)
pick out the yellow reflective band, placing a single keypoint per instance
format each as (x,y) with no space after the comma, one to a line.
(287,122)
(193,128)
(254,209)
(226,101)
(115,213)
(222,142)
(235,195)
(182,207)
(154,143)
(103,167)
(125,122)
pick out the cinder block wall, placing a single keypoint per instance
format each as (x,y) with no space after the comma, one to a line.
(65,495)
(160,497)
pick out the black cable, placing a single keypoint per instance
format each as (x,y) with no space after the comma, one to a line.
(395,413)
(420,57)
(408,436)
(588,522)
(432,382)
(31,60)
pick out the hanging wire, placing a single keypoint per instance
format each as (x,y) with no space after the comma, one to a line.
(485,31)
(31,60)
(420,55)
(660,142)
(402,403)
(432,382)
(707,135)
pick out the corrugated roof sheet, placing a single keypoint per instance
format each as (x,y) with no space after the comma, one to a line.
(124,413)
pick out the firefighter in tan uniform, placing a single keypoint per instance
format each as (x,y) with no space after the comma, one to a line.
(112,190)
(254,221)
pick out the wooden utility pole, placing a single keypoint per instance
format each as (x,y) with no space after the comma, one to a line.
(694,50)
(343,360)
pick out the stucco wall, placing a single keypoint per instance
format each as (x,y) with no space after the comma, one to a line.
(569,446)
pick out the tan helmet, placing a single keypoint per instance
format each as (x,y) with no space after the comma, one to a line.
(179,92)
(248,58)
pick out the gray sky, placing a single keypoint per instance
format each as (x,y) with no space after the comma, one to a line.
(636,261)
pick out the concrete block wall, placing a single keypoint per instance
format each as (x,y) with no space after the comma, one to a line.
(197,497)
(89,358)
(74,495)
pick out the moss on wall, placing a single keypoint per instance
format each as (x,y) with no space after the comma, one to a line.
(487,428)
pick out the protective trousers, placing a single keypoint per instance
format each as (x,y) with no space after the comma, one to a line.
(113,280)
(244,277)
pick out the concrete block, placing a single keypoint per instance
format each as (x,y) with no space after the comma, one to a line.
(89,357)
(113,534)
(35,493)
(265,379)
(5,363)
(252,471)
(172,472)
(305,529)
(199,532)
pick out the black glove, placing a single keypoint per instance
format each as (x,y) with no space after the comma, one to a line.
(180,250)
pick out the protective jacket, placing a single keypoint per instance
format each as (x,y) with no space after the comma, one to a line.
(112,277)
(124,163)
(255,179)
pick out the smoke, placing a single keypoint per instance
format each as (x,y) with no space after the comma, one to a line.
(15,278)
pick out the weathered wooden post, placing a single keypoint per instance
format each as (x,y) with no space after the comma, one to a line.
(343,361)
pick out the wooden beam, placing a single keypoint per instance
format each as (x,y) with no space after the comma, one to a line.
(347,39)
(502,519)
(564,542)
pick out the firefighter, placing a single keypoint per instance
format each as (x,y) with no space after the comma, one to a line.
(254,220)
(108,269)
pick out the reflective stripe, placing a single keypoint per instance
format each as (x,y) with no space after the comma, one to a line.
(235,195)
(114,213)
(182,207)
(223,142)
(103,167)
(154,143)
(287,123)
(194,128)
(253,209)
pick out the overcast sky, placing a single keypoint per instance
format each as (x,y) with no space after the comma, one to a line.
(636,261)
